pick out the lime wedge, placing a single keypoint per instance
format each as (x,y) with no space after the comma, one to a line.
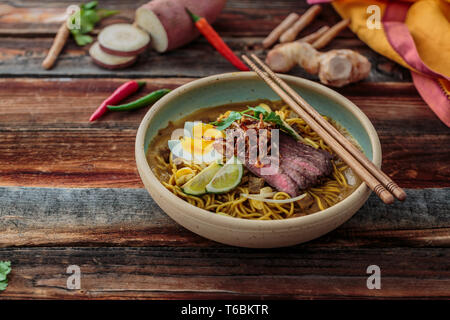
(227,178)
(197,185)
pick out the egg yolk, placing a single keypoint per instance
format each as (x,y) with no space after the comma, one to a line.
(204,136)
(207,131)
(196,146)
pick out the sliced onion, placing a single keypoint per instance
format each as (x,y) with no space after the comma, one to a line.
(258,197)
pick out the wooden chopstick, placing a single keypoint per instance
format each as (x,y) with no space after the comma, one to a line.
(387,182)
(372,182)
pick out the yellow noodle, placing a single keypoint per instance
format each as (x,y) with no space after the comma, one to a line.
(233,204)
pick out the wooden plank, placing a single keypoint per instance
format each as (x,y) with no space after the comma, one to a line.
(240,18)
(23,57)
(121,217)
(78,158)
(227,273)
(250,19)
(67,102)
(48,119)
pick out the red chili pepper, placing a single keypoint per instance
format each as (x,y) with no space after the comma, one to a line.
(118,95)
(216,41)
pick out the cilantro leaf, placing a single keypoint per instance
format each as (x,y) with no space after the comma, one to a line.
(103,13)
(89,5)
(258,110)
(273,117)
(82,39)
(5,269)
(232,117)
(89,17)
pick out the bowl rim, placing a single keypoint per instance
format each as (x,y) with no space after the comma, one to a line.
(205,216)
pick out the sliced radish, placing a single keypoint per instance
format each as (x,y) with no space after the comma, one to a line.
(123,40)
(109,61)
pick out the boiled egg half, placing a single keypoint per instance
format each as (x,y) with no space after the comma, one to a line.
(196,145)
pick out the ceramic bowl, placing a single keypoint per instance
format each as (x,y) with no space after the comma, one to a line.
(246,86)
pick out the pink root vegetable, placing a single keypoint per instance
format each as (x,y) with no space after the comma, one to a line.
(123,40)
(108,61)
(168,23)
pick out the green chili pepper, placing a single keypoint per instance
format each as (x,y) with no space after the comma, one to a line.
(141,102)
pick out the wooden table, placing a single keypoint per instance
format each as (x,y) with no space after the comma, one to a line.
(70,193)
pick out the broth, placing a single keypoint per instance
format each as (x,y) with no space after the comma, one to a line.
(210,114)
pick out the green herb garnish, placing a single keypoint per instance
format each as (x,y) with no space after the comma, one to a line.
(89,16)
(257,111)
(5,269)
(232,117)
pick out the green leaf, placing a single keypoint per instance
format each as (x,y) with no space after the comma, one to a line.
(103,13)
(89,17)
(82,39)
(89,5)
(3,285)
(233,116)
(258,110)
(5,269)
(272,117)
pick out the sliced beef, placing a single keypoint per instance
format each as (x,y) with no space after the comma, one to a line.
(314,164)
(302,180)
(279,179)
(300,166)
(319,158)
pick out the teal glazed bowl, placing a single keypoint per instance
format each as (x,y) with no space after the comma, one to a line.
(239,87)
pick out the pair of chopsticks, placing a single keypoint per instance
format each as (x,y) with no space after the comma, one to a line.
(376,180)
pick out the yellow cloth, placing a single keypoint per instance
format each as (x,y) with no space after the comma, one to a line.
(427,21)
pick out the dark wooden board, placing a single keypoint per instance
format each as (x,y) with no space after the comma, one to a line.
(28,32)
(46,140)
(227,273)
(240,17)
(23,57)
(54,217)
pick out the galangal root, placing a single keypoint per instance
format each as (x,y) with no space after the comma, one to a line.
(335,67)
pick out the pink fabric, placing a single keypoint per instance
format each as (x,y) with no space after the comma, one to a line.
(400,38)
(432,93)
(402,42)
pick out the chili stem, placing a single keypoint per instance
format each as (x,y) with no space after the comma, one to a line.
(118,95)
(216,41)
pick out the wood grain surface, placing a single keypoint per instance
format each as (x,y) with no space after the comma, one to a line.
(122,217)
(29,28)
(46,140)
(227,273)
(240,17)
(23,57)
(70,192)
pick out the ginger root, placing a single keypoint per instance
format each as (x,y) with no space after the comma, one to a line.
(335,67)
